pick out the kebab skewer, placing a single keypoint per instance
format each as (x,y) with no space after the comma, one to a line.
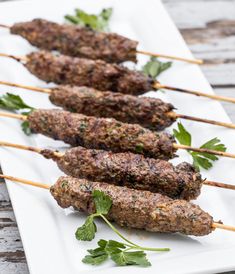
(83,42)
(103,76)
(128,169)
(151,113)
(103,133)
(132,208)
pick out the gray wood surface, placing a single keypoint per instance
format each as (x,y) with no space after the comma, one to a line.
(208,26)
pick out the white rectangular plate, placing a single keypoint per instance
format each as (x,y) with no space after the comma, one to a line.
(47,231)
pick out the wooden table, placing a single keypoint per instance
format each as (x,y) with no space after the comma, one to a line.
(208,26)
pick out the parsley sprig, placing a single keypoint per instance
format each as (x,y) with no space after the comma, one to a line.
(98,22)
(117,252)
(14,102)
(154,67)
(200,159)
(126,253)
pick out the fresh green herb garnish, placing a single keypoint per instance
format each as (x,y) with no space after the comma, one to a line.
(96,22)
(118,252)
(25,127)
(14,102)
(200,159)
(154,67)
(182,135)
(11,101)
(103,203)
(87,231)
(122,254)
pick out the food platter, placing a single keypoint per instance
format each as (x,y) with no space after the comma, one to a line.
(47,231)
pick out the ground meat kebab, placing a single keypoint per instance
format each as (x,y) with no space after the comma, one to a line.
(151,113)
(131,170)
(100,75)
(101,133)
(134,208)
(77,41)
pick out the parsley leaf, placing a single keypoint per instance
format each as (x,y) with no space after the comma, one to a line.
(122,258)
(200,159)
(102,202)
(95,259)
(87,231)
(14,102)
(182,135)
(96,22)
(112,244)
(113,250)
(26,129)
(11,101)
(154,67)
(214,144)
(204,159)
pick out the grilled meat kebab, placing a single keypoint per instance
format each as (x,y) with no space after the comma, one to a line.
(134,208)
(101,133)
(98,74)
(131,170)
(148,112)
(77,41)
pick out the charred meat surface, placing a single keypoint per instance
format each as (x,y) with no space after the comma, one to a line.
(130,170)
(62,69)
(148,112)
(77,41)
(134,208)
(101,133)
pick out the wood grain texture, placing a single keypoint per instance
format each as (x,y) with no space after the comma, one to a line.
(208,27)
(12,257)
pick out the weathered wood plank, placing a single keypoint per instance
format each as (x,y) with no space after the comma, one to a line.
(196,14)
(210,35)
(12,257)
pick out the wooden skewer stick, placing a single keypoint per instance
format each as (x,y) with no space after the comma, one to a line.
(4,26)
(204,150)
(23,181)
(222,226)
(193,61)
(60,154)
(13,115)
(197,119)
(169,114)
(176,146)
(45,90)
(157,85)
(36,184)
(17,58)
(29,148)
(221,185)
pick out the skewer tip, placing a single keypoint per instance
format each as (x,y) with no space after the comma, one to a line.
(182,59)
(222,226)
(23,181)
(4,26)
(20,59)
(204,150)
